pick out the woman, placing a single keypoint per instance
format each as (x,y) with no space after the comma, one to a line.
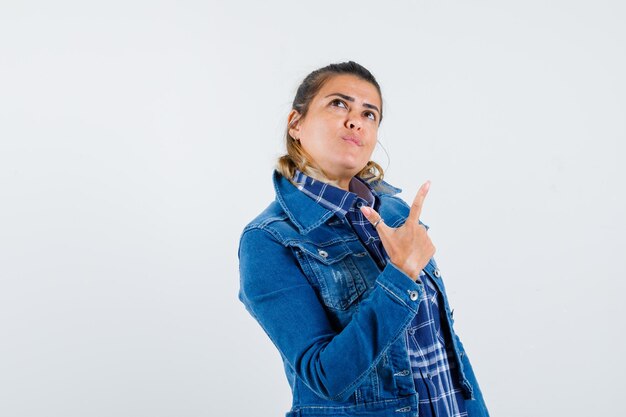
(339,272)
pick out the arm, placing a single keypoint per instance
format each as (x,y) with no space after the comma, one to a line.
(278,295)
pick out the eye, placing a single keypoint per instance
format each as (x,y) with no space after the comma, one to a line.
(369,113)
(339,101)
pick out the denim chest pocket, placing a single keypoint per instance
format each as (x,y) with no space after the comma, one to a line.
(334,272)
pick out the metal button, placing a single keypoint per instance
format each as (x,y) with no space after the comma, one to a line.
(359,204)
(413,295)
(437,273)
(322,253)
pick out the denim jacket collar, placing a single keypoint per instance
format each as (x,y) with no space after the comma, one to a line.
(303,211)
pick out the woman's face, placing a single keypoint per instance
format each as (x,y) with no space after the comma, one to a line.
(341,126)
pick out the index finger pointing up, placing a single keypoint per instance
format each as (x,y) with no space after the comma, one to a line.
(418,202)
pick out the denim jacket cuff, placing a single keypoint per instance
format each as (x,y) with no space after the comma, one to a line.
(400,286)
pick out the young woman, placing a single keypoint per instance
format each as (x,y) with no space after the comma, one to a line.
(339,271)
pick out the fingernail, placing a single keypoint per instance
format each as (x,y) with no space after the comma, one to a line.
(366,210)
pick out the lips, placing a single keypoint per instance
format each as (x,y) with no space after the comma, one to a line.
(352,139)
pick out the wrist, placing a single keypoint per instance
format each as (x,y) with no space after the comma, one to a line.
(411,272)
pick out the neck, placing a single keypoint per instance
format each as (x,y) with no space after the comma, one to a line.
(343,183)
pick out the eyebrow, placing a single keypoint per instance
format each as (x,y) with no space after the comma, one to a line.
(345,97)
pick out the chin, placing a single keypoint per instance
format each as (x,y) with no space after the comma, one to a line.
(356,168)
(349,166)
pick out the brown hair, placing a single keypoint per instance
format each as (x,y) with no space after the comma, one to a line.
(296,157)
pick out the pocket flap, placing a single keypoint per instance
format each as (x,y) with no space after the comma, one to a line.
(327,254)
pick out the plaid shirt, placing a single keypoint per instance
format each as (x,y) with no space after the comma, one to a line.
(435,377)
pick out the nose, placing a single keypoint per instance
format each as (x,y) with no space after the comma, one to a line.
(352,122)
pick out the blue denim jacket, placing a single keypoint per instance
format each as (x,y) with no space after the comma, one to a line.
(337,320)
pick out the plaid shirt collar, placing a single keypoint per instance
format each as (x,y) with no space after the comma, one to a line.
(333,198)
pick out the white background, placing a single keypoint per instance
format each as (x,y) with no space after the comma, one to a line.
(137,138)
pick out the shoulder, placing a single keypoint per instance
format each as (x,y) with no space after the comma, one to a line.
(270,226)
(271,214)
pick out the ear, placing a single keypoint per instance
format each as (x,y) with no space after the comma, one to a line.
(294,118)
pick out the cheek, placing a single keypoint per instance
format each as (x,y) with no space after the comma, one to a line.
(314,142)
(317,131)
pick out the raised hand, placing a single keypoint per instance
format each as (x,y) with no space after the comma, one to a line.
(408,246)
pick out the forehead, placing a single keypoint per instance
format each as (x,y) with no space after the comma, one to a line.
(350,85)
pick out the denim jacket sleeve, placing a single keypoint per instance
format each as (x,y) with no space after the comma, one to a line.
(278,295)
